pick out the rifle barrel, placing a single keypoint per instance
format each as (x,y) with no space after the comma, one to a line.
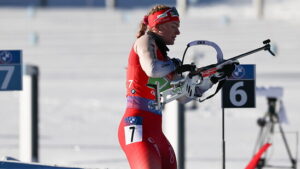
(250,52)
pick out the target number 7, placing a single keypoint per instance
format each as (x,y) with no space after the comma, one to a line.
(7,77)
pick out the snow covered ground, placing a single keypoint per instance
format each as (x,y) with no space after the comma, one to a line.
(82,55)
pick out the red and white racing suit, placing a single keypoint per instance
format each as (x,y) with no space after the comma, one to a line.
(140,130)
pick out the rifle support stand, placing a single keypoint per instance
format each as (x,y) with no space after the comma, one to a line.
(267,126)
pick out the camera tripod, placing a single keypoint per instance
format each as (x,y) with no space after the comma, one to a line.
(267,126)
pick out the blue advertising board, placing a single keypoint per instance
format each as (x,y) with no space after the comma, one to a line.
(239,89)
(10,70)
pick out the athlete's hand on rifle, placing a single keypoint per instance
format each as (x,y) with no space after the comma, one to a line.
(177,62)
(180,68)
(224,70)
(185,68)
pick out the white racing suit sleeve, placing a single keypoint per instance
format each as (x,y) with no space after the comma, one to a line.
(146,48)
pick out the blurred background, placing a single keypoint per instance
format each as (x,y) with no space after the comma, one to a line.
(81,48)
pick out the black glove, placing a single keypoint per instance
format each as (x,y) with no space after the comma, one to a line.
(185,68)
(224,70)
(177,62)
(228,69)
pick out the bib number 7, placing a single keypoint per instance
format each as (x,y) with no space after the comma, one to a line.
(133,130)
(133,134)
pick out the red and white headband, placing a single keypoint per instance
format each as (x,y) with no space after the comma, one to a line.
(162,16)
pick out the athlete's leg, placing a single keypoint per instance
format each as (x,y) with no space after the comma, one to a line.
(154,152)
(134,130)
(143,155)
(168,154)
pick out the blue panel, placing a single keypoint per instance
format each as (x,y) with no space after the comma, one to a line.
(16,80)
(133,120)
(10,57)
(243,72)
(10,70)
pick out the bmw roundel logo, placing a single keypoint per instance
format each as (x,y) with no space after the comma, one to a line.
(132,120)
(239,72)
(5,57)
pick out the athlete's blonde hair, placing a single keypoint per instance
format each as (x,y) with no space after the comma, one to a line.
(143,26)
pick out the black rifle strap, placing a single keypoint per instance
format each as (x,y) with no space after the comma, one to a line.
(220,86)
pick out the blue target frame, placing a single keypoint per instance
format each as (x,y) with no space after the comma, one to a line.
(10,70)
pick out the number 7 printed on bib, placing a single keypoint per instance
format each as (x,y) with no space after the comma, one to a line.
(133,129)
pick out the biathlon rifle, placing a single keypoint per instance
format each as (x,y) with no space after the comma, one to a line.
(212,69)
(186,85)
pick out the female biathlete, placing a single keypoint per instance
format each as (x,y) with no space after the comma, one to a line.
(140,130)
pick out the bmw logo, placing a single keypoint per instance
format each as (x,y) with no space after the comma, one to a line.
(5,57)
(239,72)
